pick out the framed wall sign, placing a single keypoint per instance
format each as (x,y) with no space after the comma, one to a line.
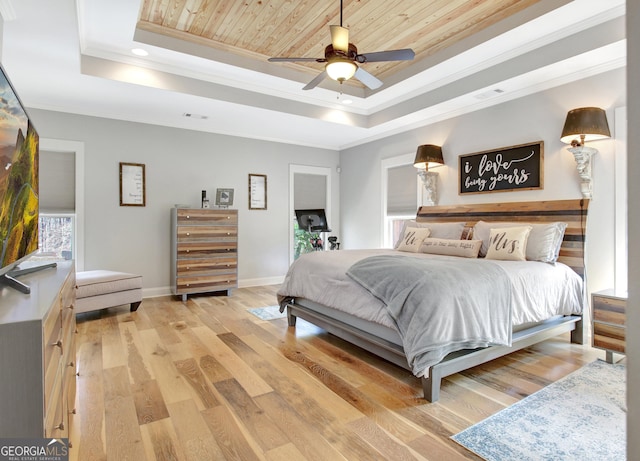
(518,167)
(132,184)
(257,191)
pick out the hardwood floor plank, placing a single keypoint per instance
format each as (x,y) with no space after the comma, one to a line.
(172,386)
(122,432)
(140,370)
(297,384)
(236,444)
(243,373)
(382,442)
(149,403)
(194,377)
(90,395)
(253,418)
(160,439)
(302,433)
(192,432)
(286,452)
(113,351)
(206,380)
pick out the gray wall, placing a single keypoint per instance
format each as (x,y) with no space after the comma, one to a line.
(178,165)
(529,119)
(633,308)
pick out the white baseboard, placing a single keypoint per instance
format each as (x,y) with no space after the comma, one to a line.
(259,282)
(166,291)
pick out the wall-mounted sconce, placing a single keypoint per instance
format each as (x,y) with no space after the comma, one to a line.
(584,124)
(427,156)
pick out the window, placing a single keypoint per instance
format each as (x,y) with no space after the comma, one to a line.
(61,190)
(400,198)
(56,236)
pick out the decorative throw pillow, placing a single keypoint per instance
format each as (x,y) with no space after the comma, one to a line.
(508,243)
(442,230)
(464,248)
(543,244)
(412,239)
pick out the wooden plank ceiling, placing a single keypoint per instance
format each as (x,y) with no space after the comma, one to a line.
(263,28)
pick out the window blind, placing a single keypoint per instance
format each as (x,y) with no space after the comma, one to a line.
(402,196)
(57,180)
(309,191)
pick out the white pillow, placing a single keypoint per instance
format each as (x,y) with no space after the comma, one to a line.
(442,230)
(464,248)
(412,239)
(543,244)
(508,243)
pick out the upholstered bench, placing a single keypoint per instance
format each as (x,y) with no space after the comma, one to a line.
(101,289)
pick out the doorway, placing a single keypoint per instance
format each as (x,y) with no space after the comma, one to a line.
(309,188)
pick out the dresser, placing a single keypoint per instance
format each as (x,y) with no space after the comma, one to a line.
(609,321)
(38,355)
(204,250)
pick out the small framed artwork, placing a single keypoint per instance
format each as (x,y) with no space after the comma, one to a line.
(257,191)
(224,197)
(132,184)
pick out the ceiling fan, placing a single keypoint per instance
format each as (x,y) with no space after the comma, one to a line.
(342,59)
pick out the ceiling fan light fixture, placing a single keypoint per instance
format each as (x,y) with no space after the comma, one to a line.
(341,69)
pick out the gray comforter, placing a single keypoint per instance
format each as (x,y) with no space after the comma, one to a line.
(440,306)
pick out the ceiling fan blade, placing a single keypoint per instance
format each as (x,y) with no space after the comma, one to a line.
(367,79)
(340,38)
(316,81)
(406,54)
(296,60)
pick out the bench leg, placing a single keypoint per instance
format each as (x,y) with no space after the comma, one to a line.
(134,306)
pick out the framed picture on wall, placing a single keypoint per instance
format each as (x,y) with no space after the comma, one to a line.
(257,191)
(506,169)
(132,184)
(224,197)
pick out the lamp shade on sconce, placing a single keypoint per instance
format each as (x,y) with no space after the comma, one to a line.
(427,156)
(585,124)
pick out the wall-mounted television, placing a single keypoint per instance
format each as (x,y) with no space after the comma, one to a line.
(19,204)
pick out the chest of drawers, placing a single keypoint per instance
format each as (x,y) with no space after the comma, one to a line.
(204,250)
(38,355)
(609,322)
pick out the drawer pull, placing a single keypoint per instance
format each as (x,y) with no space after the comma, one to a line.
(73,412)
(71,364)
(188,251)
(58,343)
(188,234)
(188,216)
(60,426)
(188,268)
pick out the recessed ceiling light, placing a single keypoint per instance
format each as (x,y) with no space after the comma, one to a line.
(347,101)
(140,52)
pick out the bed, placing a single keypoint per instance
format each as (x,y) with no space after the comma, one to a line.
(419,325)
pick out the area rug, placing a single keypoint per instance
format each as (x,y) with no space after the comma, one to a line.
(268,313)
(580,417)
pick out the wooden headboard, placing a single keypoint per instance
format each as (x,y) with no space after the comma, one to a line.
(572,212)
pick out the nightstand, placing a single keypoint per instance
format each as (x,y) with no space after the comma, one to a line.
(609,321)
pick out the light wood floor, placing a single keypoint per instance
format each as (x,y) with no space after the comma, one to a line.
(206,380)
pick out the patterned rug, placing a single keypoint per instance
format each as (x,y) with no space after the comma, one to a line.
(268,313)
(580,417)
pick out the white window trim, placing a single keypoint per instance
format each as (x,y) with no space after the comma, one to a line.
(77,147)
(306,169)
